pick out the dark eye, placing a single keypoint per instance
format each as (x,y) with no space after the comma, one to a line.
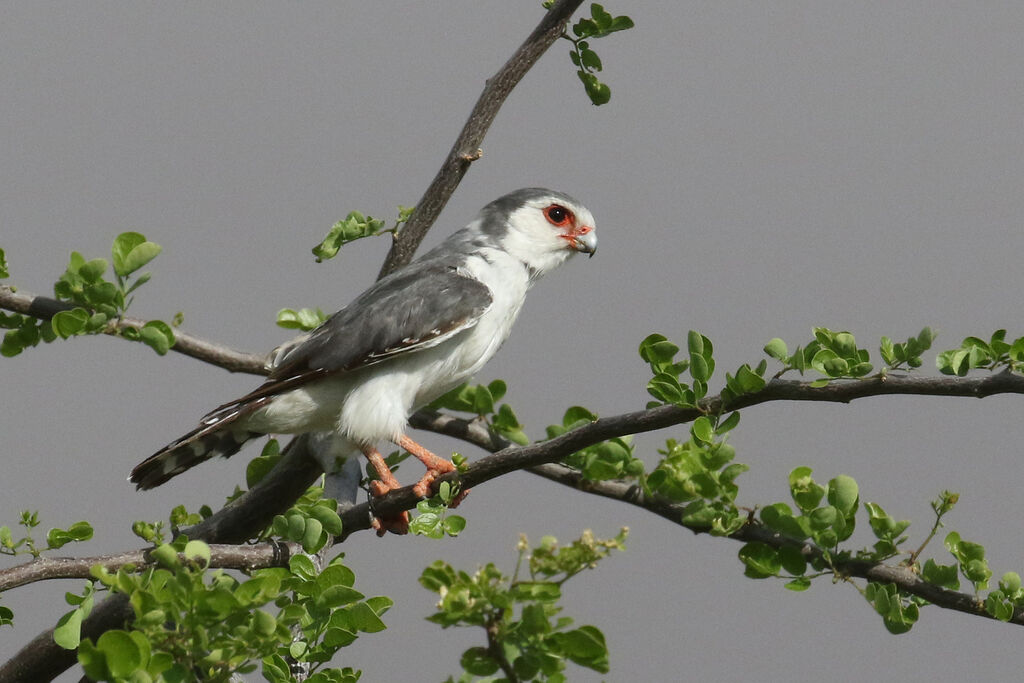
(558,215)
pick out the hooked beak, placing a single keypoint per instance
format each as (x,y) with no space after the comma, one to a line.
(584,240)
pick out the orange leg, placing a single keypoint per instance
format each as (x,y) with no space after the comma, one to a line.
(435,467)
(399,524)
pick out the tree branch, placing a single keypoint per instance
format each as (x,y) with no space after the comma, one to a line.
(41,659)
(44,308)
(902,576)
(466,148)
(222,556)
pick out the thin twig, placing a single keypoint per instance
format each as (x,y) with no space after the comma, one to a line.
(466,149)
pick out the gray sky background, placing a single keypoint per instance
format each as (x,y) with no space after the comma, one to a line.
(762,168)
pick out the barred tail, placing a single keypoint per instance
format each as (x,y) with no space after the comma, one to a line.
(199,445)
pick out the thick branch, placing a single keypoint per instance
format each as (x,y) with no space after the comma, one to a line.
(244,557)
(466,149)
(45,308)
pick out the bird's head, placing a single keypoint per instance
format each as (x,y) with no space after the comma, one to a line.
(541,228)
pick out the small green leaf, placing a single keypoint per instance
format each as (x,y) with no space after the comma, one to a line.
(122,652)
(776,348)
(70,323)
(131,251)
(158,335)
(302,319)
(4,272)
(761,560)
(702,430)
(478,662)
(68,633)
(354,226)
(197,551)
(843,493)
(328,518)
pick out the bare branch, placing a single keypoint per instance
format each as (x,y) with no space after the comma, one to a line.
(466,149)
(222,556)
(44,308)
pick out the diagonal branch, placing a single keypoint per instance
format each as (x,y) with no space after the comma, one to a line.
(902,576)
(466,149)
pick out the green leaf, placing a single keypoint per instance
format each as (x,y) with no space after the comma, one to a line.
(302,319)
(843,494)
(365,619)
(158,335)
(805,492)
(945,575)
(313,536)
(658,351)
(478,662)
(92,271)
(586,647)
(131,251)
(121,651)
(68,632)
(761,560)
(70,323)
(328,518)
(801,583)
(702,430)
(197,550)
(728,424)
(4,272)
(355,226)
(777,349)
(79,531)
(779,517)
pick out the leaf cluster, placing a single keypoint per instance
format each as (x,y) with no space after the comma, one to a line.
(98,302)
(527,638)
(975,352)
(191,623)
(599,25)
(833,354)
(481,400)
(611,459)
(356,226)
(55,538)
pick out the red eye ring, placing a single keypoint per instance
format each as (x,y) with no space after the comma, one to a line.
(558,215)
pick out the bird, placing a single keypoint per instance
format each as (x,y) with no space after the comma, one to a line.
(415,334)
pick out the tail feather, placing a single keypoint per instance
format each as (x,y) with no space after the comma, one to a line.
(195,447)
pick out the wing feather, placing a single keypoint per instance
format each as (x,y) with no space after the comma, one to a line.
(413,309)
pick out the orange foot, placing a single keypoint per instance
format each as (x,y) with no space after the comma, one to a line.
(435,468)
(397,524)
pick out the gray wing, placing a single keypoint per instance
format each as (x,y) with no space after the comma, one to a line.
(413,309)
